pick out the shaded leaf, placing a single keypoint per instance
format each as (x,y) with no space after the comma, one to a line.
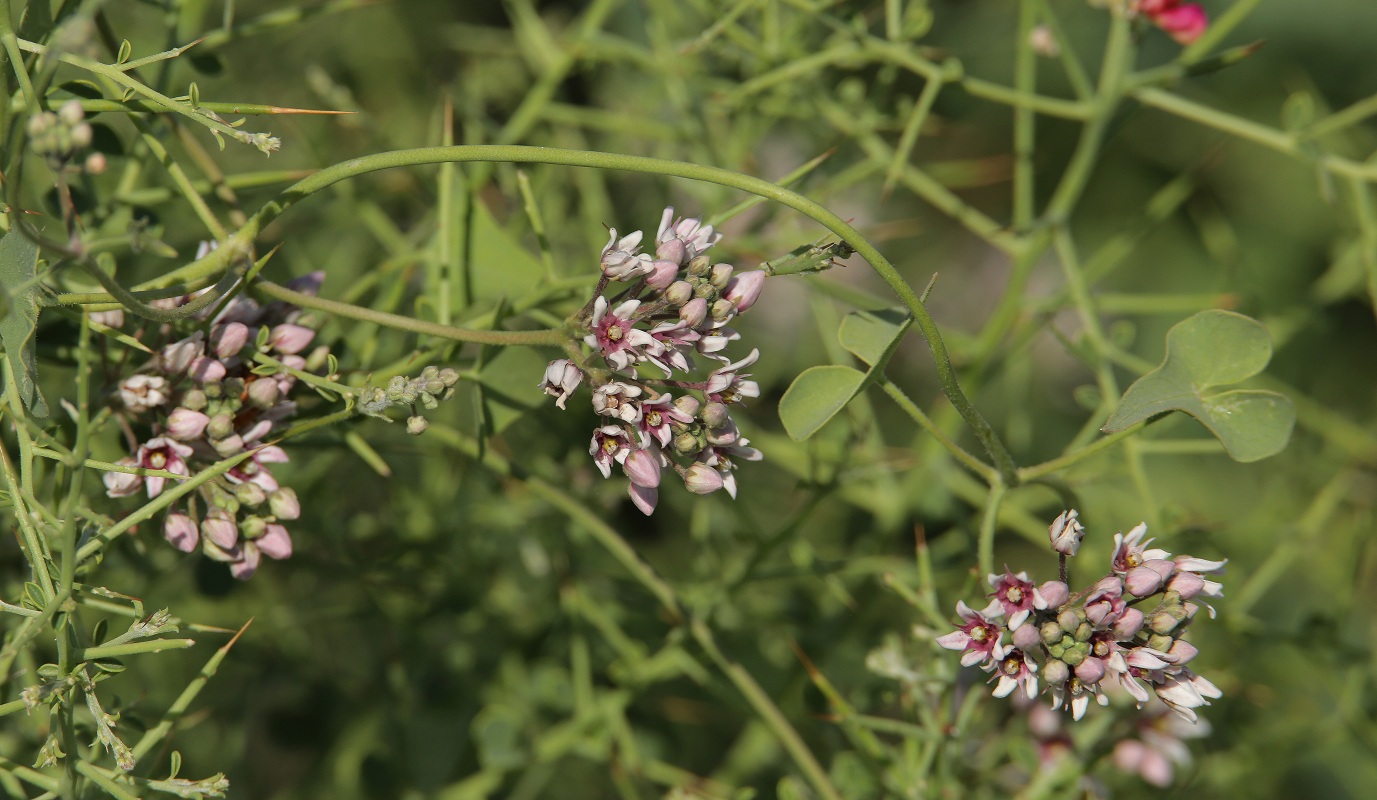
(18,264)
(1214,348)
(816,396)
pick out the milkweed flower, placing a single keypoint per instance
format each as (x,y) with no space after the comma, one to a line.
(1123,631)
(674,307)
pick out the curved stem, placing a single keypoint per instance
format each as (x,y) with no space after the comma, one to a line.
(575,158)
(554,336)
(988,524)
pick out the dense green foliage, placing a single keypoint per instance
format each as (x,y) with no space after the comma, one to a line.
(473,612)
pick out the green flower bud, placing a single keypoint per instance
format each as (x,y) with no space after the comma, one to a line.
(250,494)
(699,267)
(417,425)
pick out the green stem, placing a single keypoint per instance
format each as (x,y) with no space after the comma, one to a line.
(958,452)
(553,337)
(988,524)
(1063,461)
(1025,83)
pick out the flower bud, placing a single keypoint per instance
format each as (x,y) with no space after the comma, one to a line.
(1090,671)
(1148,577)
(228,339)
(250,494)
(662,274)
(180,530)
(744,289)
(678,293)
(203,369)
(702,479)
(253,527)
(1186,585)
(722,309)
(1050,632)
(71,112)
(95,164)
(1056,672)
(185,424)
(1054,594)
(177,356)
(263,393)
(694,312)
(688,404)
(1162,622)
(288,338)
(715,415)
(1184,651)
(700,267)
(417,425)
(643,468)
(275,542)
(1084,632)
(705,290)
(220,528)
(673,251)
(1128,624)
(685,444)
(194,399)
(1026,637)
(1066,532)
(220,426)
(1074,656)
(720,275)
(1069,620)
(229,445)
(1161,642)
(284,503)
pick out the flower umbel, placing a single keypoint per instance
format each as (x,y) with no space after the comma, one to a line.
(1123,632)
(668,308)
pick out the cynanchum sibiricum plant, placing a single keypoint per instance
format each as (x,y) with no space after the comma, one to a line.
(1125,630)
(674,304)
(204,397)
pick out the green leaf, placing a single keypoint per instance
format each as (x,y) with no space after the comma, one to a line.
(501,267)
(818,393)
(1214,348)
(869,335)
(18,267)
(816,396)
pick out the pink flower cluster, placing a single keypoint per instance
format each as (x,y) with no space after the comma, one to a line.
(676,306)
(1184,22)
(1123,631)
(204,398)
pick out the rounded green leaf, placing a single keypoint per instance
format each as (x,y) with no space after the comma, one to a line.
(815,396)
(869,335)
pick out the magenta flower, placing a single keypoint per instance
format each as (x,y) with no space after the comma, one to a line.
(1129,549)
(616,337)
(254,471)
(695,236)
(609,445)
(656,418)
(1185,23)
(618,400)
(164,454)
(1066,533)
(728,384)
(622,260)
(642,466)
(142,392)
(1013,671)
(1183,691)
(978,637)
(1014,594)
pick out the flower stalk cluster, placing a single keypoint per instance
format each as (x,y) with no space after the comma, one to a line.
(1123,631)
(216,393)
(675,306)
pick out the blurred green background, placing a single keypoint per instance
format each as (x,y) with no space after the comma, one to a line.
(443,631)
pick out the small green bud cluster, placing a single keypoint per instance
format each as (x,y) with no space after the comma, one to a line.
(426,390)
